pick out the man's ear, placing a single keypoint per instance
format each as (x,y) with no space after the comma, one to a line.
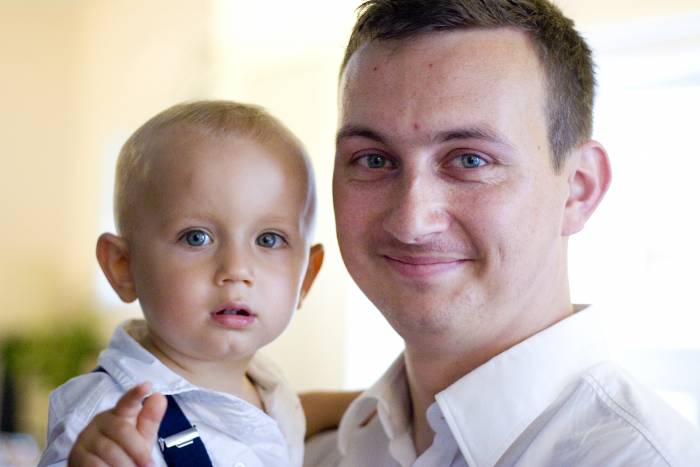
(113,256)
(315,261)
(589,179)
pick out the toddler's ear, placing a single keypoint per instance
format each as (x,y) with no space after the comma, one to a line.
(315,261)
(113,256)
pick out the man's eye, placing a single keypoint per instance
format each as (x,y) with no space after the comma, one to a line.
(270,240)
(374,161)
(196,238)
(471,160)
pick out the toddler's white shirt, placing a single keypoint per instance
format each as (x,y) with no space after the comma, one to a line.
(235,432)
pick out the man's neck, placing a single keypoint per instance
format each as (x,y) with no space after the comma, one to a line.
(432,368)
(426,376)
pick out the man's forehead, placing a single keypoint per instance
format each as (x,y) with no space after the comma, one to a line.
(450,64)
(485,85)
(484,44)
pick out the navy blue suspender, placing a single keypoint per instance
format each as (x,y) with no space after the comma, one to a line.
(178,439)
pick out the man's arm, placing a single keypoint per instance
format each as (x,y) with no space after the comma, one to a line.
(324,409)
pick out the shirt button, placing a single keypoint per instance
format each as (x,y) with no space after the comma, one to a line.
(239,464)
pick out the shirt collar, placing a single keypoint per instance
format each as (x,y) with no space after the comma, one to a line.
(487,409)
(491,406)
(128,362)
(388,398)
(281,402)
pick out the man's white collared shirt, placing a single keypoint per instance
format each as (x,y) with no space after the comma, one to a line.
(552,400)
(234,432)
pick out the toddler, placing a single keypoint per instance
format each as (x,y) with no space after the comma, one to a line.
(214,207)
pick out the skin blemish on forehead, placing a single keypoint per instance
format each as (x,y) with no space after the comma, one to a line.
(416,126)
(430,65)
(375,68)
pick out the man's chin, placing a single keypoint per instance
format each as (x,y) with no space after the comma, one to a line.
(414,310)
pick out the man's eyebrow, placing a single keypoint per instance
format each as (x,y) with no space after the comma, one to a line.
(475,132)
(350,131)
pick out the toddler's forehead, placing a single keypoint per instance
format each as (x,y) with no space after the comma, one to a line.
(194,155)
(197,140)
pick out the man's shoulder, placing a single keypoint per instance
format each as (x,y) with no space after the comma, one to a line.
(607,414)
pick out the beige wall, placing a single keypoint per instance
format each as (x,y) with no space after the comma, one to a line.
(75,75)
(40,134)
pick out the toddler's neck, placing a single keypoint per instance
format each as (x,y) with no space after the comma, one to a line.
(224,376)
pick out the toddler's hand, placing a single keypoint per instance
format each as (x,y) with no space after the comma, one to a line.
(122,436)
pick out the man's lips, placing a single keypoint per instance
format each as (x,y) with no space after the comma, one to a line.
(424,260)
(423,266)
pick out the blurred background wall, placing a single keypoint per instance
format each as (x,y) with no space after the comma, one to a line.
(78,76)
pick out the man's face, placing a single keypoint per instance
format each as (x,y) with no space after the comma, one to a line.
(449,213)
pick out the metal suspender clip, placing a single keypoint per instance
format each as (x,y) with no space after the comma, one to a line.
(179,440)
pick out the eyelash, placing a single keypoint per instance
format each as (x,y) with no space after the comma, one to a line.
(185,237)
(391,164)
(365,156)
(277,236)
(462,154)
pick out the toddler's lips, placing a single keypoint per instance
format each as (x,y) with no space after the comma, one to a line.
(234,317)
(234,311)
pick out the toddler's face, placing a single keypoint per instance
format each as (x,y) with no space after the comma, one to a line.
(219,251)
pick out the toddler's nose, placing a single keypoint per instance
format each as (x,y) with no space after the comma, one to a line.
(234,267)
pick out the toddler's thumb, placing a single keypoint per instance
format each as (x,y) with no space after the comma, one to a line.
(151,414)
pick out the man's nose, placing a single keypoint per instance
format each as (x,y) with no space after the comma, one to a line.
(234,266)
(417,209)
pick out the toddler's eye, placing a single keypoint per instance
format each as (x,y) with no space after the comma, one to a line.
(270,240)
(197,238)
(471,160)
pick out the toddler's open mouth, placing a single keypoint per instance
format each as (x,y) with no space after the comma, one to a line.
(234,315)
(234,311)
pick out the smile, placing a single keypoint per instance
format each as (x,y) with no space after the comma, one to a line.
(419,267)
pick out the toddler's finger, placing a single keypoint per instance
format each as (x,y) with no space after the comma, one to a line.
(120,440)
(79,457)
(151,414)
(129,405)
(99,451)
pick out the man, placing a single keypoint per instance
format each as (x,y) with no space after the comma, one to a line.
(464,162)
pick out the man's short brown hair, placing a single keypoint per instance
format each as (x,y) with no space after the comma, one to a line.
(564,54)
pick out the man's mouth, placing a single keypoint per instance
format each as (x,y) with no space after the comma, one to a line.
(418,267)
(423,260)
